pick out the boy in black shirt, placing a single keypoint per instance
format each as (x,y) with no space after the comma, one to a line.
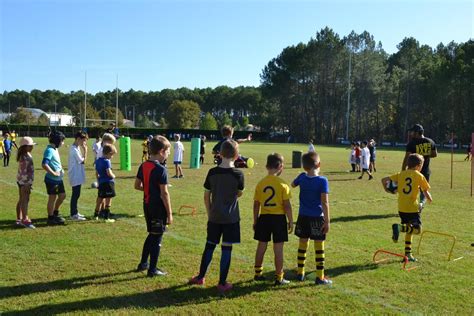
(152,179)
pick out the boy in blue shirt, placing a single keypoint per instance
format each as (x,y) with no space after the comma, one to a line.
(106,178)
(54,177)
(313,218)
(7,149)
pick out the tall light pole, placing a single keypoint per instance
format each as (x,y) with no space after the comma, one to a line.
(116,104)
(85,100)
(348,95)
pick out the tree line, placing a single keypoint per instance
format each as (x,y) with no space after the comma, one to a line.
(318,90)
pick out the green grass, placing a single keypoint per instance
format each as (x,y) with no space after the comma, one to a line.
(88,267)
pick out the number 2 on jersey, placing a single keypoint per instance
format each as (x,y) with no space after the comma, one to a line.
(267,201)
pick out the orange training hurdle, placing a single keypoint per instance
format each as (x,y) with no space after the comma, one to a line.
(192,208)
(405,258)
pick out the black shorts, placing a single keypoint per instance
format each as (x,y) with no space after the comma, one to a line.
(269,225)
(145,153)
(177,162)
(413,219)
(155,224)
(364,169)
(310,227)
(55,189)
(230,233)
(106,190)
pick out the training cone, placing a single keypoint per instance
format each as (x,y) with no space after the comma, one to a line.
(250,163)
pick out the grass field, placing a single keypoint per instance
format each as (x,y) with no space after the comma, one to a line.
(88,267)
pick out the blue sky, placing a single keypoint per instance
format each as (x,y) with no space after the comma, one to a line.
(153,45)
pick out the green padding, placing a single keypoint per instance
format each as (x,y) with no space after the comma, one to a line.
(195,153)
(125,154)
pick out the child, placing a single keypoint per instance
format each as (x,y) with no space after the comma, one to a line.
(7,149)
(24,178)
(106,178)
(54,177)
(95,148)
(313,218)
(109,139)
(469,152)
(203,149)
(227,134)
(152,179)
(352,157)
(13,138)
(357,153)
(178,156)
(271,203)
(372,151)
(76,172)
(409,181)
(365,161)
(145,148)
(311,147)
(2,147)
(223,186)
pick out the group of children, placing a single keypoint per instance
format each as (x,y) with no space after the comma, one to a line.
(362,158)
(224,184)
(6,146)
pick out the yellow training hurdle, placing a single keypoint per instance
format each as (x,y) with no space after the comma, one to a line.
(440,234)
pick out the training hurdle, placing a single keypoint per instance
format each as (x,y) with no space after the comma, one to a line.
(440,234)
(405,258)
(192,208)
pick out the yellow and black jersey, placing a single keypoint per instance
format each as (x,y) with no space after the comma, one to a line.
(271,191)
(145,146)
(409,184)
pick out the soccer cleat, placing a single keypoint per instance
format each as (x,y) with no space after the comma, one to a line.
(282,282)
(77,218)
(95,216)
(359,177)
(28,224)
(197,281)
(174,177)
(181,176)
(142,266)
(395,232)
(156,272)
(300,277)
(18,222)
(223,288)
(324,281)
(56,220)
(411,258)
(109,220)
(259,278)
(371,177)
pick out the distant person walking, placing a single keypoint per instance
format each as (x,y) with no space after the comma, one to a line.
(419,144)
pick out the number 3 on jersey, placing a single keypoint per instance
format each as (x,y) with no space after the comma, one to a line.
(407,189)
(272,195)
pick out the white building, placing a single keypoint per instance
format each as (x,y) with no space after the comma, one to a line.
(55,119)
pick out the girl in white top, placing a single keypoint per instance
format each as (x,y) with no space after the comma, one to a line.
(365,160)
(76,172)
(178,156)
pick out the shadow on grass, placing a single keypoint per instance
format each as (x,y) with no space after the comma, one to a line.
(58,285)
(351,179)
(179,295)
(361,217)
(43,222)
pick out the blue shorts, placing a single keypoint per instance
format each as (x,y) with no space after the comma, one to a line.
(177,162)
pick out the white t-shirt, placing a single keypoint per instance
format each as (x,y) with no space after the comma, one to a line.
(311,148)
(76,170)
(100,148)
(95,148)
(178,151)
(365,158)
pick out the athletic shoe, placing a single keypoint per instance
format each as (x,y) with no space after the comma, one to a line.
(80,215)
(109,220)
(155,273)
(371,177)
(359,177)
(181,176)
(223,288)
(56,220)
(196,281)
(300,277)
(259,278)
(324,281)
(77,218)
(395,232)
(95,216)
(18,222)
(28,224)
(411,258)
(142,266)
(174,177)
(282,282)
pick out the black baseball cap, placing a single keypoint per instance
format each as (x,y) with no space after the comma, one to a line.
(416,128)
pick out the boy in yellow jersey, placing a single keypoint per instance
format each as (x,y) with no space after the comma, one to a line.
(410,182)
(271,209)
